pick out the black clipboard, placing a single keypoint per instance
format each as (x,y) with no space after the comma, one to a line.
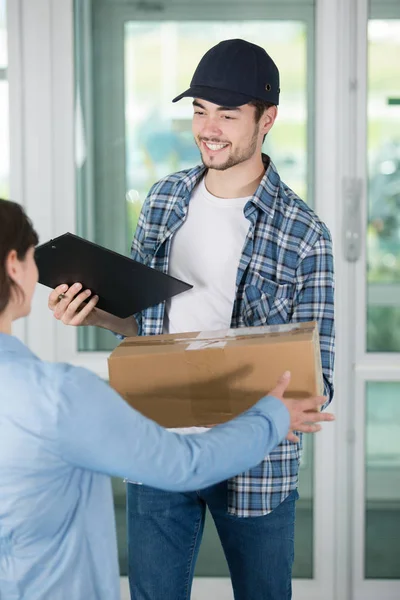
(124,286)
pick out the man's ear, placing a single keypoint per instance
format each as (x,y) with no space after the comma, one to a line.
(268,119)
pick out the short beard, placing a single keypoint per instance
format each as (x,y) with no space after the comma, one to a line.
(234,159)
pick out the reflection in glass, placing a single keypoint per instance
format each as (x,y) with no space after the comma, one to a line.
(382,502)
(383,236)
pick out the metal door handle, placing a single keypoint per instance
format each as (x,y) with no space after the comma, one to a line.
(352,234)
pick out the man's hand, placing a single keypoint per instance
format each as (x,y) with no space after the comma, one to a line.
(304,413)
(74,306)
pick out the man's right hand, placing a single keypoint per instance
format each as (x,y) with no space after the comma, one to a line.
(75,306)
(72,305)
(305,414)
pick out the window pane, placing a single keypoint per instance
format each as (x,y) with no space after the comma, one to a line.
(382,503)
(383,318)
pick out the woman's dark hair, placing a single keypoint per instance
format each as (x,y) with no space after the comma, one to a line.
(16,233)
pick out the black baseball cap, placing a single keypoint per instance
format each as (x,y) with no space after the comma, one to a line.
(233,73)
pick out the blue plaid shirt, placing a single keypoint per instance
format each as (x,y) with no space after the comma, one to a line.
(285,275)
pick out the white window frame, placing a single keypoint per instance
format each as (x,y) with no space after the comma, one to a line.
(368,367)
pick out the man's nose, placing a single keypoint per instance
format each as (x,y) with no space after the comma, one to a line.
(211,128)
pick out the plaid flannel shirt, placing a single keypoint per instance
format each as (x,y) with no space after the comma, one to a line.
(285,274)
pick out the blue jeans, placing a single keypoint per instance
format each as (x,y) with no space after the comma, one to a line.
(164,536)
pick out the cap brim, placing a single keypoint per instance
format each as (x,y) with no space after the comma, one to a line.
(215,95)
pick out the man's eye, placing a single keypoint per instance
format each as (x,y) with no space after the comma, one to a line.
(198,112)
(228,118)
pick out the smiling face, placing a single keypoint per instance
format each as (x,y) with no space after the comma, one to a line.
(227,136)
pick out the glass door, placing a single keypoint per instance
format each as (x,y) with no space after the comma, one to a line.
(130,63)
(376,525)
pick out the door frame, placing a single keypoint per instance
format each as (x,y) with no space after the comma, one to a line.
(42,178)
(367,366)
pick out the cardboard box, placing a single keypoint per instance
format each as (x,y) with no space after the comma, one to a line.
(207,378)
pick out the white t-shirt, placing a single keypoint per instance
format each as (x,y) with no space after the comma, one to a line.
(205,252)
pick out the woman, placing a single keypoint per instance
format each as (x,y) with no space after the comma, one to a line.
(63,431)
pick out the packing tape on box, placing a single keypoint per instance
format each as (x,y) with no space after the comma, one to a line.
(207,339)
(220,389)
(219,339)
